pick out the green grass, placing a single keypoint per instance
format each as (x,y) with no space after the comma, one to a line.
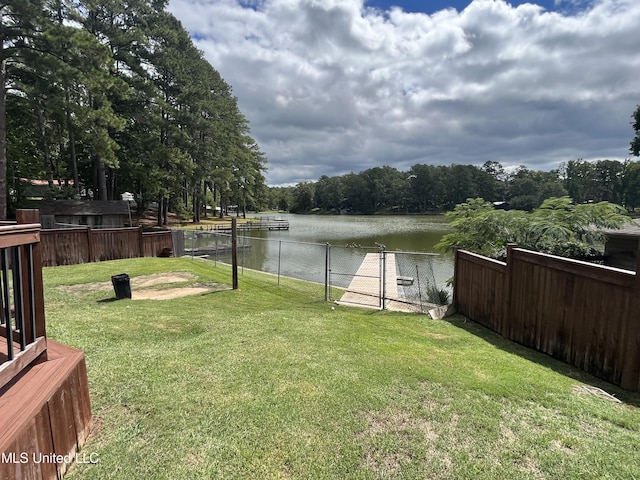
(268,382)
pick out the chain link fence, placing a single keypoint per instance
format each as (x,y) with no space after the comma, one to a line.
(361,276)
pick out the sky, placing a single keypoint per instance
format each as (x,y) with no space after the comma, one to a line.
(337,86)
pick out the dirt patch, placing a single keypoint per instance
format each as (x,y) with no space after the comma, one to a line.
(394,427)
(151,287)
(146,281)
(169,293)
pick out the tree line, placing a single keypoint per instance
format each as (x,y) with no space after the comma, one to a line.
(430,188)
(108,96)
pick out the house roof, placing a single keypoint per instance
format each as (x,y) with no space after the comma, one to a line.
(629,230)
(84,207)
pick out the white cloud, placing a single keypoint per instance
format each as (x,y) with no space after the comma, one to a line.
(332,86)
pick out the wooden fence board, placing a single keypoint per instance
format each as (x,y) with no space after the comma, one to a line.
(584,314)
(85,245)
(64,247)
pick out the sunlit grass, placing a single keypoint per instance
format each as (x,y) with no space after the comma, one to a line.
(269,382)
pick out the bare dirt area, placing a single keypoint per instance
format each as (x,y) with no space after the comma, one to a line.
(151,287)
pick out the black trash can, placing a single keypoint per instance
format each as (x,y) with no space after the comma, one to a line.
(121,286)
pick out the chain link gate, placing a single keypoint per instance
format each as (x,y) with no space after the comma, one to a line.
(388,280)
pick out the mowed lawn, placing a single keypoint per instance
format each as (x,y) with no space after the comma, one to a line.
(270,382)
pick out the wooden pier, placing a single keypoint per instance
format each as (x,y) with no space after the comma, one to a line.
(261,224)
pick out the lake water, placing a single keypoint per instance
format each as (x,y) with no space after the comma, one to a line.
(301,252)
(404,232)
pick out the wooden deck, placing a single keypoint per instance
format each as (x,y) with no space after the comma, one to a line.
(46,416)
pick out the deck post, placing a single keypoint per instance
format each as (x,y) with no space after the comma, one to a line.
(638,267)
(32,272)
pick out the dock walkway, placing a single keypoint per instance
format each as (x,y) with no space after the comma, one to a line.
(365,288)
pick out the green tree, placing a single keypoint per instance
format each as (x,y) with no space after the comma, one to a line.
(303,198)
(557,227)
(329,193)
(527,189)
(21,24)
(635,142)
(631,185)
(426,188)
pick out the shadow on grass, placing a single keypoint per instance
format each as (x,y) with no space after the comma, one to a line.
(109,300)
(495,339)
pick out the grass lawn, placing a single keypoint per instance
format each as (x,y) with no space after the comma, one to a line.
(268,382)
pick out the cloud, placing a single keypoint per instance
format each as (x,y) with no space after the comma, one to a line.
(333,86)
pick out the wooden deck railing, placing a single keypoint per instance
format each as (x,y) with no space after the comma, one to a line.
(22,321)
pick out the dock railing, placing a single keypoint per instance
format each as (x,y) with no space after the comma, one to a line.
(22,319)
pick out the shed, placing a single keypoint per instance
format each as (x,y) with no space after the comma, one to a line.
(91,213)
(621,249)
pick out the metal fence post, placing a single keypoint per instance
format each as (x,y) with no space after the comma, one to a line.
(279,259)
(383,278)
(419,289)
(234,254)
(326,272)
(215,261)
(242,249)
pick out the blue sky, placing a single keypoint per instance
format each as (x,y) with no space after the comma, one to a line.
(431,6)
(333,86)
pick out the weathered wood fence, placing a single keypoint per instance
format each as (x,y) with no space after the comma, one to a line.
(583,314)
(71,246)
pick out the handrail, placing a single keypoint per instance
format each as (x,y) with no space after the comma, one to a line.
(21,299)
(21,234)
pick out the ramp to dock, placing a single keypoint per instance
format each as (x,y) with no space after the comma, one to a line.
(365,288)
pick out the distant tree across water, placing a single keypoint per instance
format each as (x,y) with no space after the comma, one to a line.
(431,188)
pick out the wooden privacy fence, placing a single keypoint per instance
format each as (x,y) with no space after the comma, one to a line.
(71,246)
(583,314)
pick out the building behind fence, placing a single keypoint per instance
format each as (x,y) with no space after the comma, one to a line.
(583,314)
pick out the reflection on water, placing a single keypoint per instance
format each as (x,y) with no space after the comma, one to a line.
(301,252)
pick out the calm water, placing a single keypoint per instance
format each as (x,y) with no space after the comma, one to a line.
(300,252)
(407,232)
